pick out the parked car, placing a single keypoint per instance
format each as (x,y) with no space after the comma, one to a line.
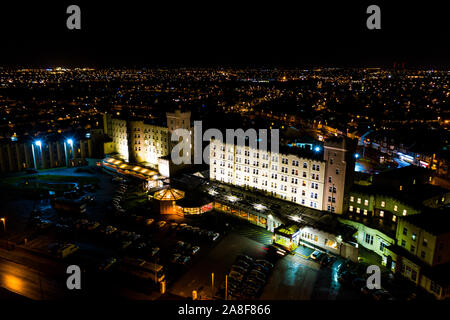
(316,255)
(161,224)
(242,264)
(195,250)
(264,263)
(154,251)
(261,269)
(125,244)
(258,274)
(179,246)
(185,260)
(256,277)
(236,275)
(239,269)
(215,236)
(382,294)
(107,264)
(175,257)
(325,260)
(257,282)
(110,230)
(245,258)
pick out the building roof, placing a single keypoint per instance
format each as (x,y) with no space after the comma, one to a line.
(168,194)
(404,173)
(433,221)
(413,195)
(287,230)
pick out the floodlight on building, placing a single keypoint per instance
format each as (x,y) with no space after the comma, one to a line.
(70,142)
(317,149)
(356,155)
(38,143)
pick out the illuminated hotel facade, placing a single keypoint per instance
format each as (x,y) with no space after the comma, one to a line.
(140,141)
(312,178)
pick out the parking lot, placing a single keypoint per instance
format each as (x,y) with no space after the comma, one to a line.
(119,224)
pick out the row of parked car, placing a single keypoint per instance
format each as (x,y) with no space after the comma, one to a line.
(182,253)
(117,198)
(195,233)
(354,276)
(247,278)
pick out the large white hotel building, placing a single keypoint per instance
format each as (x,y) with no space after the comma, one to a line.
(317,179)
(144,141)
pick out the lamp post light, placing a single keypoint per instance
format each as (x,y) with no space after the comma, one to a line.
(3,220)
(38,143)
(339,241)
(70,143)
(212,285)
(226,287)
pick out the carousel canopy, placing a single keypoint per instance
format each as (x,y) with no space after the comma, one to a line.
(168,194)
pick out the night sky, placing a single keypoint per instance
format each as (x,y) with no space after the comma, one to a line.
(250,33)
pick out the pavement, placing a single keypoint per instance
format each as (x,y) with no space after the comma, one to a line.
(218,261)
(293,278)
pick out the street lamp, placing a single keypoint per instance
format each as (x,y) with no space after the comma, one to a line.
(4,223)
(317,149)
(70,143)
(38,143)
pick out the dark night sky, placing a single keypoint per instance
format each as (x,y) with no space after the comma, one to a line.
(142,32)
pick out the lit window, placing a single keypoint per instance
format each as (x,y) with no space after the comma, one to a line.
(395,208)
(365,212)
(383,204)
(358,210)
(366,202)
(350,208)
(404,212)
(381,213)
(352,198)
(394,218)
(359,200)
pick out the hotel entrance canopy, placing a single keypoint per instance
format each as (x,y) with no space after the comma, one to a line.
(130,170)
